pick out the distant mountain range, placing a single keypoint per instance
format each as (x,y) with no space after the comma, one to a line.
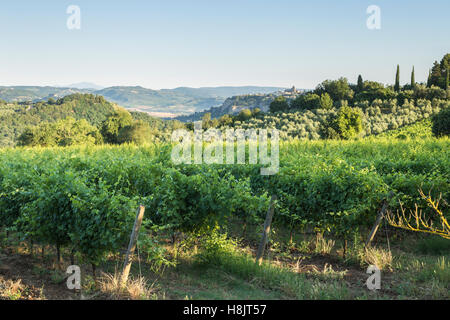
(33,93)
(164,103)
(85,85)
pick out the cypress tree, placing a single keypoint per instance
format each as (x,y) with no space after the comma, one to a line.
(437,75)
(445,66)
(429,79)
(413,79)
(447,81)
(360,86)
(397,79)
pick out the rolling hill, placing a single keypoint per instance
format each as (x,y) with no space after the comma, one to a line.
(164,102)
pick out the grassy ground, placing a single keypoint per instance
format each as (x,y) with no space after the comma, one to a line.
(417,267)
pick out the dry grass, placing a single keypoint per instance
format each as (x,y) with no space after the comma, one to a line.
(135,289)
(323,246)
(11,290)
(378,257)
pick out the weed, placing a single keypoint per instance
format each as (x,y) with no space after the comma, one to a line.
(134,289)
(379,257)
(57,277)
(11,290)
(323,246)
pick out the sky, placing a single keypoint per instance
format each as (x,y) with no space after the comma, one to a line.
(196,43)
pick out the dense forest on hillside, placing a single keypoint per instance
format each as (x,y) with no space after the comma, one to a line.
(16,117)
(19,118)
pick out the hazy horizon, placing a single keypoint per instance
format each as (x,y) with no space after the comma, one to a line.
(103,87)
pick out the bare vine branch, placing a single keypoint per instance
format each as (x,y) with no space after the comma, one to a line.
(418,222)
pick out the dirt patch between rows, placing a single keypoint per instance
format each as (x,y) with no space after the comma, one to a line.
(23,272)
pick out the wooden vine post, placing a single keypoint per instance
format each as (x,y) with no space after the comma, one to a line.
(132,245)
(377,223)
(266,231)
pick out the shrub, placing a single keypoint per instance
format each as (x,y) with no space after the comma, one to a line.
(244,115)
(325,101)
(279,104)
(306,102)
(256,112)
(345,125)
(215,246)
(112,125)
(64,132)
(441,123)
(139,132)
(337,89)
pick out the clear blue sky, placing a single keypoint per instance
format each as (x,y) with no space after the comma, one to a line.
(166,44)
